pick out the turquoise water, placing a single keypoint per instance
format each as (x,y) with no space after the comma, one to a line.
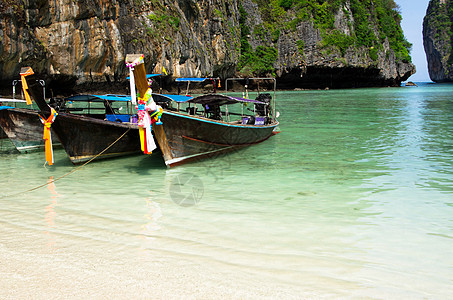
(353,199)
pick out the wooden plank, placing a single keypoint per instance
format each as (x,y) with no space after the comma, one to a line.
(140,79)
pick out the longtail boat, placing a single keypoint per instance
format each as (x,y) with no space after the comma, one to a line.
(23,128)
(204,129)
(22,125)
(182,127)
(93,131)
(88,136)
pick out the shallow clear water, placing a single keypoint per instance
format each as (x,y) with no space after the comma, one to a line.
(353,199)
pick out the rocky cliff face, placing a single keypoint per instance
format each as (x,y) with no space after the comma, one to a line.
(438,40)
(80,42)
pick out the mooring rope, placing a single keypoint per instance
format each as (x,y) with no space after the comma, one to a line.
(72,171)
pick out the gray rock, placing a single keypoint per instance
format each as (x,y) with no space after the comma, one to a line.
(437,38)
(75,43)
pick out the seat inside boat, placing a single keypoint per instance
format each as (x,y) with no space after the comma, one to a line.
(213,111)
(192,110)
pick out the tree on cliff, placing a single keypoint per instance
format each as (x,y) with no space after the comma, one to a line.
(305,43)
(438,40)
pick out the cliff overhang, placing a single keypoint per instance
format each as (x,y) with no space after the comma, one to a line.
(75,44)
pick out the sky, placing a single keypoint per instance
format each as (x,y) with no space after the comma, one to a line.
(413,12)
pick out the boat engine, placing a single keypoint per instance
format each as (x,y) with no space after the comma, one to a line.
(58,104)
(263,110)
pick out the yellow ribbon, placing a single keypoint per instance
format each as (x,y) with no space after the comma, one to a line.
(47,135)
(27,72)
(141,132)
(148,97)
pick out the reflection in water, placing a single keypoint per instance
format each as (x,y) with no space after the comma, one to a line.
(352,200)
(154,214)
(404,198)
(50,215)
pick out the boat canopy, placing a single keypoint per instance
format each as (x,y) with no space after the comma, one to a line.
(125,98)
(152,75)
(99,98)
(148,76)
(12,100)
(194,79)
(212,99)
(167,97)
(219,99)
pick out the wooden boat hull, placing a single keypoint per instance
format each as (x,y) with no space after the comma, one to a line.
(190,138)
(2,134)
(85,138)
(23,128)
(181,138)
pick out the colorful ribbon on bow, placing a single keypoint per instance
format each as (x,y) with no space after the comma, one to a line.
(144,122)
(47,135)
(154,110)
(24,74)
(147,111)
(136,62)
(156,115)
(131,67)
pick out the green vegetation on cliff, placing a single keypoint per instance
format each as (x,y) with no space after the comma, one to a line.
(258,61)
(369,24)
(440,19)
(164,21)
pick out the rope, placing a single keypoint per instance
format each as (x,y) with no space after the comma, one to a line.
(69,173)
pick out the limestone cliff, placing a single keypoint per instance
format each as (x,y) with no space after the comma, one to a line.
(78,42)
(438,40)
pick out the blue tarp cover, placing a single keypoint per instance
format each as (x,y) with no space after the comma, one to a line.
(115,118)
(99,98)
(110,97)
(176,98)
(204,99)
(191,79)
(147,76)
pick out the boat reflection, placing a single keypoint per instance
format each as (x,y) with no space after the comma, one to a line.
(152,217)
(50,215)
